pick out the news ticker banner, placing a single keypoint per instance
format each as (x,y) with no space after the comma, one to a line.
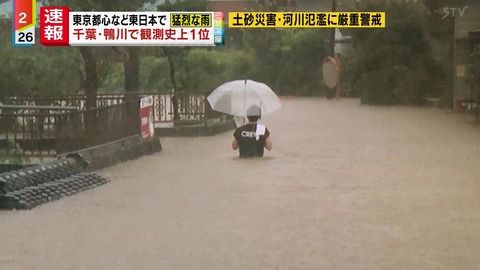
(23,25)
(61,27)
(306,19)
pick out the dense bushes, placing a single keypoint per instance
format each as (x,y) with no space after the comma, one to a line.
(288,61)
(388,66)
(196,69)
(205,69)
(394,66)
(39,71)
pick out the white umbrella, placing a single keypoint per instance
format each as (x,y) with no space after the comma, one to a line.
(236,97)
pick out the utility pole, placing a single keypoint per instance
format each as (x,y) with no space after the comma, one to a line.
(331,50)
(332,34)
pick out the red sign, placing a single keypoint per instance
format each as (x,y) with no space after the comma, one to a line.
(146,117)
(23,13)
(54,26)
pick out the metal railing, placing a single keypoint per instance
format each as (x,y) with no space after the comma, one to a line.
(50,125)
(82,129)
(40,132)
(172,107)
(28,131)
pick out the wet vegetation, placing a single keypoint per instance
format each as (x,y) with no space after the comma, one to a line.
(393,66)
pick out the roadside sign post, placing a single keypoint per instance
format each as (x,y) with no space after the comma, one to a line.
(147,129)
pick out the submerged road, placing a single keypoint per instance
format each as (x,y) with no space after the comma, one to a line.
(346,187)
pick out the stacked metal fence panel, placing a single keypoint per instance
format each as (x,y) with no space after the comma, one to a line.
(33,186)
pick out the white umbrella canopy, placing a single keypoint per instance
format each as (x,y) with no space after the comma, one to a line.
(236,97)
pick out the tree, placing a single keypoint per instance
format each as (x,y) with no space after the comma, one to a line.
(287,60)
(394,66)
(170,53)
(475,64)
(173,53)
(130,55)
(32,73)
(96,68)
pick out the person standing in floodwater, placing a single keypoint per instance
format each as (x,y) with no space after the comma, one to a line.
(252,138)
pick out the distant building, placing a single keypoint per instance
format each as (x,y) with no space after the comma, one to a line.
(467,34)
(456,28)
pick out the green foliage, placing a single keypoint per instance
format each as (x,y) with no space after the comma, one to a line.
(288,60)
(197,70)
(474,66)
(114,81)
(15,154)
(394,66)
(183,5)
(388,66)
(205,69)
(39,71)
(102,5)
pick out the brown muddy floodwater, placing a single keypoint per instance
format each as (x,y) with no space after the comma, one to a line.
(346,187)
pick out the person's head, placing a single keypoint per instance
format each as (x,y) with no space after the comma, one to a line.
(254,113)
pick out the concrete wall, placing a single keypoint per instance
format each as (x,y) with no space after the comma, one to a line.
(469,21)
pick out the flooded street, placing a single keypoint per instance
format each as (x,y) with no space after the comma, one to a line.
(346,187)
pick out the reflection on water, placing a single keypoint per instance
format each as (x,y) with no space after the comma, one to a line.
(258,159)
